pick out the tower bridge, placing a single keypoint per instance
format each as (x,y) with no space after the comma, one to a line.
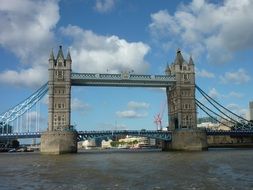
(178,80)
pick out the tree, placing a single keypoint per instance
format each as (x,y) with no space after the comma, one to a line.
(15,144)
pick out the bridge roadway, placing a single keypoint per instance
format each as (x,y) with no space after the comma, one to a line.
(162,135)
(122,80)
(85,135)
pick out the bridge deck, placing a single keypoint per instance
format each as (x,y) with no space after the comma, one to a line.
(84,135)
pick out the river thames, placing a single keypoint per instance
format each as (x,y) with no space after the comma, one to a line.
(122,170)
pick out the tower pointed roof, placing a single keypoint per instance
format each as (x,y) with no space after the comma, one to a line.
(167,70)
(191,61)
(68,58)
(51,56)
(179,58)
(60,53)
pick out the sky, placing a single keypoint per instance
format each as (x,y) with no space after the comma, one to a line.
(116,36)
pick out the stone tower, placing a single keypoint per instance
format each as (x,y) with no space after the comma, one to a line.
(251,111)
(59,84)
(182,108)
(59,138)
(181,97)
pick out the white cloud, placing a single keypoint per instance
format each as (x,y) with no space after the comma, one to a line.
(205,74)
(96,53)
(78,105)
(27,27)
(137,105)
(237,110)
(213,93)
(32,77)
(27,31)
(130,114)
(204,27)
(237,77)
(235,95)
(103,6)
(112,126)
(134,110)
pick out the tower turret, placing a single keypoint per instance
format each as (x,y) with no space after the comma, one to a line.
(68,58)
(167,70)
(51,56)
(191,61)
(179,58)
(60,53)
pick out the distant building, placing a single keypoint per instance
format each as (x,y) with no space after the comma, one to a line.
(87,144)
(251,110)
(106,144)
(208,125)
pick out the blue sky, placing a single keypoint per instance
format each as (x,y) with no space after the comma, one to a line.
(115,36)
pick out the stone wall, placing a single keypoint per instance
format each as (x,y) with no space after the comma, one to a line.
(225,139)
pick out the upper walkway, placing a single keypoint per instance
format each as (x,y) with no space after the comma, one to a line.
(123,80)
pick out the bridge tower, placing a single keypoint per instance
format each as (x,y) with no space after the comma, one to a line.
(182,107)
(181,97)
(59,85)
(59,138)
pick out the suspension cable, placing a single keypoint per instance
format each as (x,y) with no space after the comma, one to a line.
(206,97)
(214,112)
(12,116)
(212,116)
(202,92)
(41,89)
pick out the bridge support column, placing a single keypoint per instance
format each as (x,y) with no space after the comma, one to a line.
(187,140)
(59,138)
(58,142)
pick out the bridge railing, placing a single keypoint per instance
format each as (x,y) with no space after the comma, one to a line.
(122,76)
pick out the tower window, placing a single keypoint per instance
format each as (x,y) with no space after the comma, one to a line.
(59,74)
(186,77)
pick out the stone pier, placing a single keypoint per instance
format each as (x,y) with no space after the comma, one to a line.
(59,138)
(187,140)
(58,142)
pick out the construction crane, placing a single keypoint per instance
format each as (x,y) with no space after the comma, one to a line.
(158,118)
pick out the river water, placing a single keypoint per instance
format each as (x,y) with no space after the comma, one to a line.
(122,170)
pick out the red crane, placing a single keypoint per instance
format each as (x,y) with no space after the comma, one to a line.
(158,118)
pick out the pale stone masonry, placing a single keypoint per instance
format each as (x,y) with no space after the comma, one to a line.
(251,111)
(59,84)
(181,97)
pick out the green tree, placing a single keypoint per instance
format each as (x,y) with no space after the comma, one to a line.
(15,144)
